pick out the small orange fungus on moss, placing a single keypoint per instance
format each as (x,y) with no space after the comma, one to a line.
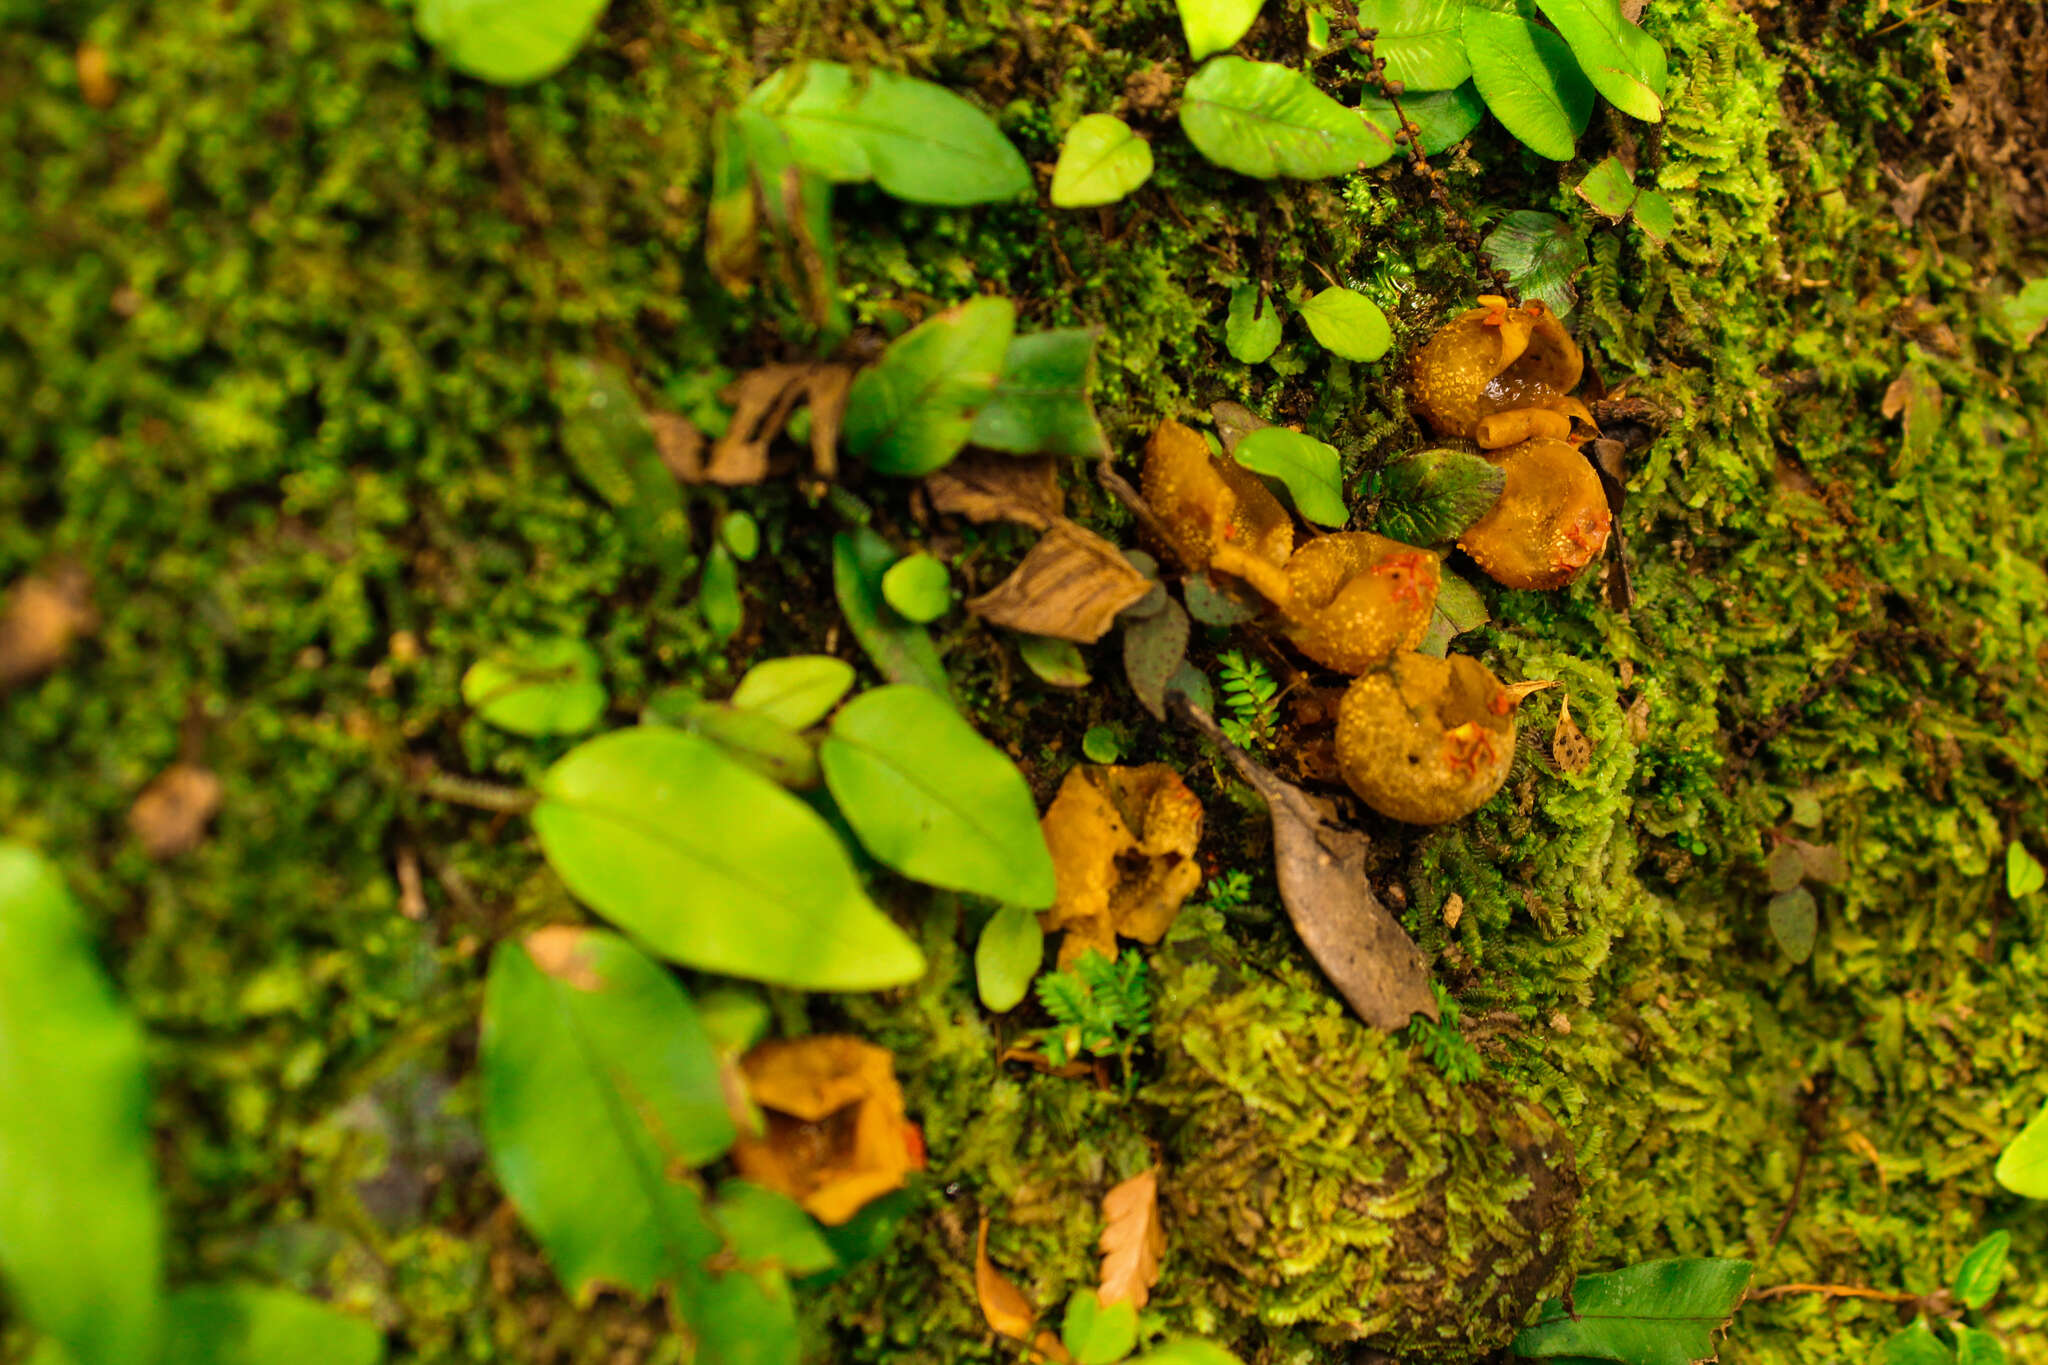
(1426,740)
(1218,514)
(1551,520)
(836,1133)
(1495,359)
(1123,845)
(1359,597)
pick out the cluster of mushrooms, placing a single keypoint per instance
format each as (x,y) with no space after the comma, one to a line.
(1420,739)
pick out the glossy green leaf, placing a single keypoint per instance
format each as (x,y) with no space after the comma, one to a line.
(1983,1269)
(918,141)
(735,1017)
(760,196)
(1251,330)
(1442,119)
(508,42)
(741,1317)
(912,412)
(2023,872)
(244,1324)
(1459,608)
(1655,215)
(1431,496)
(718,595)
(1624,63)
(760,741)
(1040,405)
(1186,1353)
(2023,1166)
(1311,470)
(798,691)
(611,446)
(934,800)
(80,1228)
(1421,41)
(1054,661)
(714,866)
(547,687)
(1974,1347)
(903,651)
(599,1093)
(1318,30)
(2025,314)
(1915,1345)
(1795,922)
(1213,25)
(1542,254)
(919,588)
(1348,324)
(764,1227)
(1008,954)
(1265,120)
(740,534)
(1609,188)
(1101,161)
(1656,1313)
(1095,1335)
(1102,744)
(1527,77)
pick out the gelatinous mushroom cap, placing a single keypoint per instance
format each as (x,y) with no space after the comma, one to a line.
(1358,598)
(1219,514)
(1495,359)
(1426,740)
(1551,520)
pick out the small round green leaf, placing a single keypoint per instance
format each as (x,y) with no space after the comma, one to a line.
(1101,161)
(1542,255)
(508,42)
(1348,324)
(1096,1335)
(1527,77)
(1609,188)
(714,866)
(798,691)
(246,1324)
(1978,1277)
(2023,872)
(932,799)
(1213,25)
(1655,215)
(1054,661)
(1265,120)
(1102,744)
(1310,469)
(1420,41)
(548,687)
(760,741)
(718,594)
(1009,954)
(1795,922)
(919,588)
(1251,330)
(911,413)
(1624,63)
(741,534)
(2023,1167)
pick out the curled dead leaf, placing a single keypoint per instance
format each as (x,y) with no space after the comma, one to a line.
(762,401)
(40,618)
(1569,746)
(1133,1240)
(171,814)
(985,488)
(680,444)
(1070,586)
(1002,1303)
(836,1133)
(1123,846)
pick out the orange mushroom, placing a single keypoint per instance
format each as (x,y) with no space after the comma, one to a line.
(1426,740)
(1218,514)
(1551,520)
(1499,375)
(1359,597)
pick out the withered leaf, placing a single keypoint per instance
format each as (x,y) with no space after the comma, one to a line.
(1123,843)
(171,814)
(762,401)
(836,1135)
(985,488)
(1638,718)
(1916,397)
(40,618)
(1821,862)
(680,443)
(1234,422)
(1133,1240)
(1569,746)
(1361,947)
(1071,586)
(1154,647)
(1002,1303)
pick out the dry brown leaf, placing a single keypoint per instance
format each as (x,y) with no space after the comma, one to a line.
(1454,910)
(171,814)
(1123,846)
(680,443)
(836,1134)
(1071,586)
(40,618)
(1638,718)
(984,488)
(762,402)
(95,79)
(1361,947)
(1002,1303)
(1568,746)
(1133,1240)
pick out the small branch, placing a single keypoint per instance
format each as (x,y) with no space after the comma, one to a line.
(468,791)
(1833,1291)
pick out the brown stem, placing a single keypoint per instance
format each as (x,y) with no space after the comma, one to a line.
(1833,1291)
(468,791)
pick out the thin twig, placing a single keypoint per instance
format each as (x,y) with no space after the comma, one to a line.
(468,791)
(1833,1291)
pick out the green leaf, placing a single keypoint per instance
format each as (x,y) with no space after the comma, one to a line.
(1251,330)
(1054,661)
(1008,955)
(1208,604)
(902,651)
(761,1225)
(760,741)
(251,1325)
(1102,744)
(798,691)
(508,42)
(1155,647)
(934,800)
(547,687)
(1656,1313)
(2026,312)
(1442,119)
(1040,405)
(1213,25)
(911,413)
(1655,216)
(1542,255)
(2023,872)
(1348,324)
(1978,1277)
(600,1091)
(1976,1348)
(80,1227)
(1459,608)
(2023,1167)
(1101,161)
(718,595)
(918,141)
(1096,1335)
(741,534)
(1187,1353)
(741,1318)
(713,866)
(1795,922)
(611,447)
(1609,188)
(1420,40)
(735,1017)
(1264,120)
(1623,62)
(1310,469)
(1432,496)
(919,588)
(1916,1345)
(1528,79)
